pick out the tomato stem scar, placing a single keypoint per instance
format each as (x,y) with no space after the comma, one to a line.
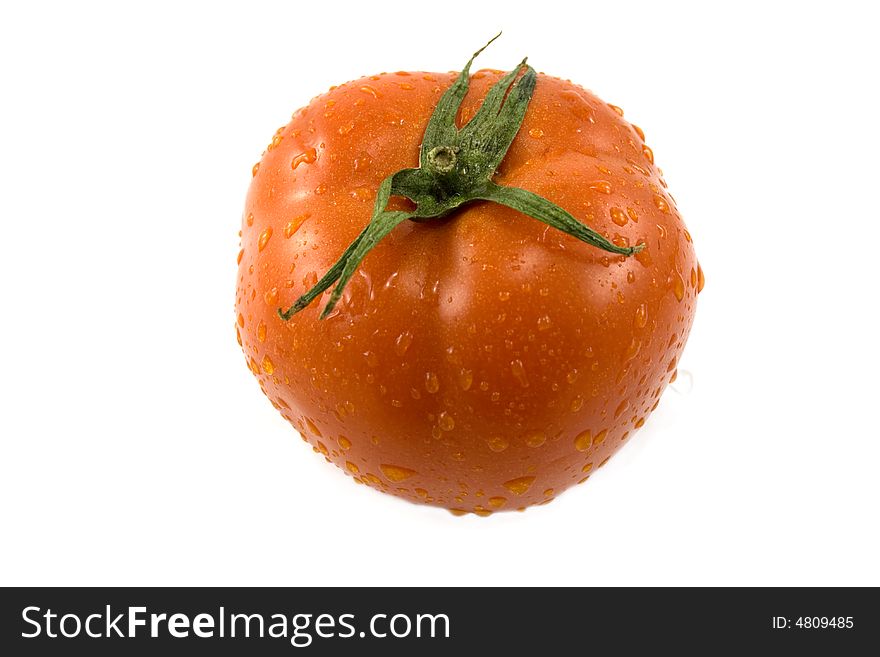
(456,166)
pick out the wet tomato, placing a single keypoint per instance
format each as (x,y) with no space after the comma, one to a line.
(481,360)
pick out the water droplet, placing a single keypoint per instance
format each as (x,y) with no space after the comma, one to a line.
(265,236)
(255,169)
(261,332)
(271,296)
(577,404)
(496,502)
(621,408)
(536,133)
(548,492)
(639,131)
(268,365)
(632,350)
(701,279)
(250,219)
(693,277)
(404,340)
(544,323)
(240,256)
(619,217)
(352,468)
(395,473)
(683,382)
(661,203)
(306,157)
(633,215)
(600,437)
(406,86)
(241,320)
(294,225)
(367,89)
(602,186)
(421,492)
(432,383)
(641,316)
(648,153)
(498,444)
(583,441)
(519,485)
(536,439)
(465,379)
(587,467)
(678,286)
(346,128)
(446,421)
(344,443)
(643,257)
(519,372)
(616,109)
(503,296)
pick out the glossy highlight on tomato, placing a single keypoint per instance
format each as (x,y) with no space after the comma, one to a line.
(482,361)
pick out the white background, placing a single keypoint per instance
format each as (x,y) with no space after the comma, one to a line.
(137,447)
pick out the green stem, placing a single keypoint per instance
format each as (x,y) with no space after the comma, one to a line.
(456,166)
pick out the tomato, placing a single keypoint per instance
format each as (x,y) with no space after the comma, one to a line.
(483,360)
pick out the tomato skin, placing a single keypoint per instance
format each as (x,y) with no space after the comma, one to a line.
(480,362)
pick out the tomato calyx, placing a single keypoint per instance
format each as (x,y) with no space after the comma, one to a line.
(456,166)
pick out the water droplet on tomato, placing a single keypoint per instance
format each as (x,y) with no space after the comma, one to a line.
(446,421)
(661,203)
(536,133)
(701,279)
(265,236)
(498,444)
(519,372)
(648,153)
(306,157)
(677,286)
(268,365)
(577,403)
(404,340)
(294,225)
(544,323)
(641,317)
(395,473)
(241,320)
(602,186)
(632,350)
(496,502)
(261,332)
(583,441)
(465,379)
(536,439)
(619,217)
(432,383)
(367,89)
(519,485)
